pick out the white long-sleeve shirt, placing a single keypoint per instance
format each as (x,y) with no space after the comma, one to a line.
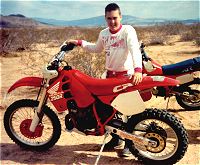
(122,49)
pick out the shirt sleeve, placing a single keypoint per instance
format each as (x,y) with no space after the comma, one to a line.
(93,47)
(134,48)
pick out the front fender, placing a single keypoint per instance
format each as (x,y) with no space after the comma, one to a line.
(26,81)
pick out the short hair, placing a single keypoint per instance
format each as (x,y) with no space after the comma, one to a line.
(112,6)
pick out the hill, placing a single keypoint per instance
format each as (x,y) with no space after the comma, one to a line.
(18,20)
(127,19)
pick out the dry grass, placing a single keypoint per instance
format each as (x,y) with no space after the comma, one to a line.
(19,39)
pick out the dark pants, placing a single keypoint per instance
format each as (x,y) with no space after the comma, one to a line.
(190,65)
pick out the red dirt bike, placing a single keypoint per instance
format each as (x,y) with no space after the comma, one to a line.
(188,92)
(95,107)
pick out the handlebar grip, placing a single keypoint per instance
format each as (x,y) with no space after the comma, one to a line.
(68,47)
(142,45)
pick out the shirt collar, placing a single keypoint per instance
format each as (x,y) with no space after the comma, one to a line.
(115,31)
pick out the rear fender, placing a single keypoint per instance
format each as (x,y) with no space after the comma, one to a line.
(153,81)
(26,81)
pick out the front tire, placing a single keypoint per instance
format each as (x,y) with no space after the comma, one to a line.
(165,129)
(17,119)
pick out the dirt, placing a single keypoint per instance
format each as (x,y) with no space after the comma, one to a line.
(76,149)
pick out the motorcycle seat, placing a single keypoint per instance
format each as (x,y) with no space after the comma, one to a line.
(112,85)
(182,67)
(100,86)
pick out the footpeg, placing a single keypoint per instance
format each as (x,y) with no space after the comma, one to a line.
(69,123)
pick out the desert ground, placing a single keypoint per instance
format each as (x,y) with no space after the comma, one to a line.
(76,149)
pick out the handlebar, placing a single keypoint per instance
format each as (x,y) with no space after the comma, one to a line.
(67,47)
(144,54)
(55,62)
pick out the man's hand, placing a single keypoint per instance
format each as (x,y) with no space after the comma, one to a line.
(137,78)
(75,42)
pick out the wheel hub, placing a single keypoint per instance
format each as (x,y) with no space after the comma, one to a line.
(24,129)
(158,139)
(157,134)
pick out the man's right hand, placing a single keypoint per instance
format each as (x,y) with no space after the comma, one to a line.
(75,42)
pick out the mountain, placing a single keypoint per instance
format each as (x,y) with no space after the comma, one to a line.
(100,21)
(18,20)
(94,21)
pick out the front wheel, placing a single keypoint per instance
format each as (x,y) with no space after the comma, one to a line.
(17,120)
(163,128)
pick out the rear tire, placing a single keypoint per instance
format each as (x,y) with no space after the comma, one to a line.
(190,104)
(173,136)
(22,111)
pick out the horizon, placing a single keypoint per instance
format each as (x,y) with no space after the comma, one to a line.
(58,10)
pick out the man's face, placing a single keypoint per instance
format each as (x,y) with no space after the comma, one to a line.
(113,19)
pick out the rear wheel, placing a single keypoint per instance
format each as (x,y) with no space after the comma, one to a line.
(190,99)
(17,120)
(164,129)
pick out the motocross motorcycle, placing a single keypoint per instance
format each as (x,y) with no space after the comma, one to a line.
(187,72)
(95,107)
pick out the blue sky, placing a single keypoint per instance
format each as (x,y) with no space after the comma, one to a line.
(72,10)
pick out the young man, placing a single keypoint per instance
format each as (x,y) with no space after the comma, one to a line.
(123,56)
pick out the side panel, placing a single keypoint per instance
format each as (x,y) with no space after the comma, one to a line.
(129,103)
(26,81)
(66,88)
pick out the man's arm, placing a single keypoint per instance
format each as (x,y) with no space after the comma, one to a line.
(88,46)
(134,48)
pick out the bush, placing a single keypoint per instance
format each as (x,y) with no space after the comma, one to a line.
(192,34)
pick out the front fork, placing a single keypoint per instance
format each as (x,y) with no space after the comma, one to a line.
(37,114)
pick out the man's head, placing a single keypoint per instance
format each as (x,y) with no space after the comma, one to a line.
(113,16)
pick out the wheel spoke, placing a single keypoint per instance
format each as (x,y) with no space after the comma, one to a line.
(27,113)
(160,152)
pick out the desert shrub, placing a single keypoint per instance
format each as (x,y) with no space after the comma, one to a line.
(161,33)
(90,63)
(192,34)
(197,41)
(19,39)
(15,39)
(157,39)
(172,28)
(152,35)
(90,34)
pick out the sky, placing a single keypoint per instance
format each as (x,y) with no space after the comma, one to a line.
(73,10)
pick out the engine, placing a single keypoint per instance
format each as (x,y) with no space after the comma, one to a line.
(82,118)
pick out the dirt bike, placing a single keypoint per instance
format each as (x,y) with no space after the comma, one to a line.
(95,107)
(188,92)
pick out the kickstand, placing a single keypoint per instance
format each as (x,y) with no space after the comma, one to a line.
(104,142)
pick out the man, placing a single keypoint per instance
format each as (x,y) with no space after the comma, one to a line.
(123,56)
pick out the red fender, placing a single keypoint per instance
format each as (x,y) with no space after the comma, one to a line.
(27,81)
